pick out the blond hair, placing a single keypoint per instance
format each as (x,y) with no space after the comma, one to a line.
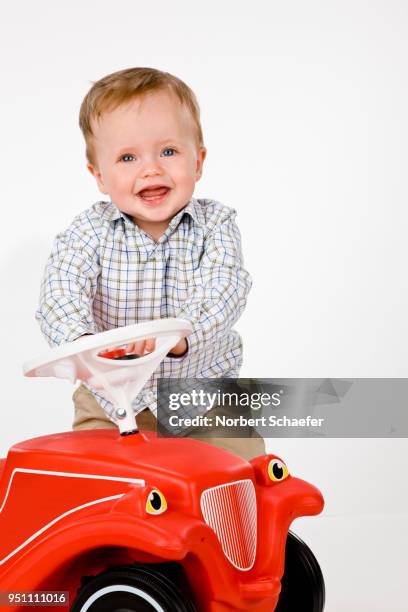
(119,87)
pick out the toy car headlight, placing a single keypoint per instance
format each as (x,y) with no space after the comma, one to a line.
(156,502)
(277,470)
(269,470)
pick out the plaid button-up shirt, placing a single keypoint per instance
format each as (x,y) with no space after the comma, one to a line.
(105,272)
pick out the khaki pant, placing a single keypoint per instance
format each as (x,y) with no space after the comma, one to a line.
(90,415)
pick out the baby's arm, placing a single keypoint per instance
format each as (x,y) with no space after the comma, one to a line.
(68,286)
(219,286)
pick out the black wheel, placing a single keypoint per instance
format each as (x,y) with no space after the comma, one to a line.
(132,589)
(302,582)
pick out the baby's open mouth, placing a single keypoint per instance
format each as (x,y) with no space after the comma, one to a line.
(153,194)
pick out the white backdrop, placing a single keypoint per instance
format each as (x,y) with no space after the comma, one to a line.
(304,115)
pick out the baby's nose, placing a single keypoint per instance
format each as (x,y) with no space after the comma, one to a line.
(150,167)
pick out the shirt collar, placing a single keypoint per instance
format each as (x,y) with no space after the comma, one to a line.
(112,213)
(193,209)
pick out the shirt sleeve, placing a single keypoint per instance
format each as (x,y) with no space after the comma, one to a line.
(68,287)
(219,287)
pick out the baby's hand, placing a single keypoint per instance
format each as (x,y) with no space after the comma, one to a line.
(180,349)
(141,347)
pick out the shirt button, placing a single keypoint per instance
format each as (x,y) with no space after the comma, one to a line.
(149,396)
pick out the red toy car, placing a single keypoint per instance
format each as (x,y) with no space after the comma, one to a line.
(127,523)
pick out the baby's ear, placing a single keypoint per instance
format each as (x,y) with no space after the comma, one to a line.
(98,177)
(201,155)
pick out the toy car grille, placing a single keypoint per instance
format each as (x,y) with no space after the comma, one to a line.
(230,509)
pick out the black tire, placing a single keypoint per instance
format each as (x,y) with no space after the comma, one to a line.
(132,589)
(302,583)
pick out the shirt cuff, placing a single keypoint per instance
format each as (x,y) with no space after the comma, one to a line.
(74,334)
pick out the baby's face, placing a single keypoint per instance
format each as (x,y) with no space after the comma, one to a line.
(147,159)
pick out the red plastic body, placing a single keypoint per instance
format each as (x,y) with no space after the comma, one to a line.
(74,504)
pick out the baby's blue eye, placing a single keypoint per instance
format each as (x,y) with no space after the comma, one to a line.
(127,157)
(168,152)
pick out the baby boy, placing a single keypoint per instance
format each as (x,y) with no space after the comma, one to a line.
(149,250)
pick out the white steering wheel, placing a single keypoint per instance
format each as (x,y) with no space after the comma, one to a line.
(100,361)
